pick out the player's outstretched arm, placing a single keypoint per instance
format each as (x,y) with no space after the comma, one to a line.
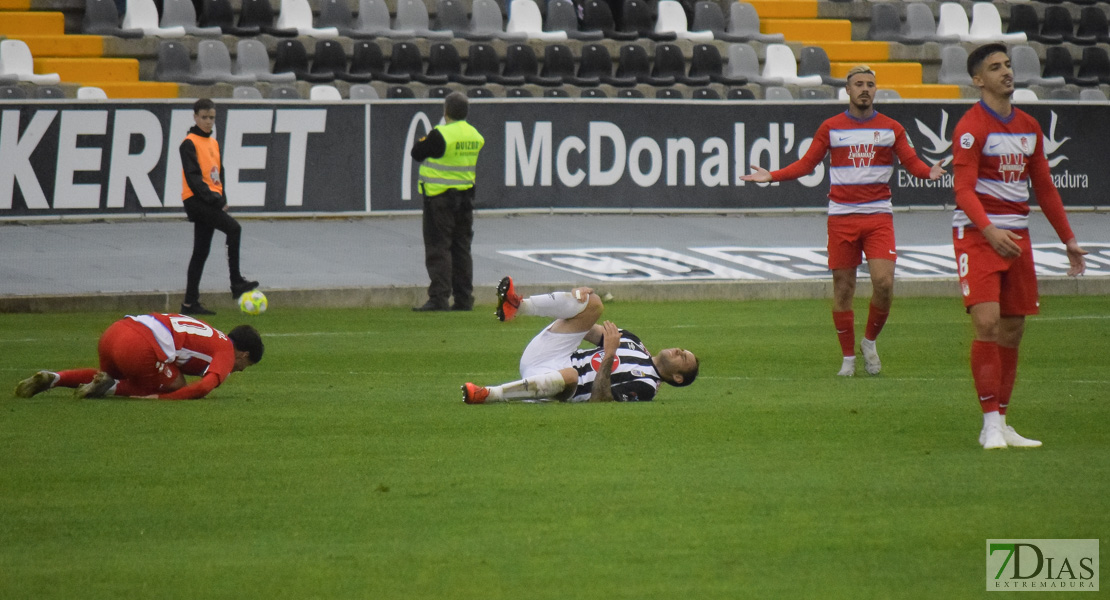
(602,390)
(760,175)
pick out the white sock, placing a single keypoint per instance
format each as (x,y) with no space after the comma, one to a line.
(1002,420)
(994,419)
(560,305)
(547,385)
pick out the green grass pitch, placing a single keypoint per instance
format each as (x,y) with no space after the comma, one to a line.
(345,465)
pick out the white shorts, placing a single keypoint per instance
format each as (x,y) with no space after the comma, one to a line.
(549,351)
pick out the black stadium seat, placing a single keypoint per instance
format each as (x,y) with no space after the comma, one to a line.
(633,62)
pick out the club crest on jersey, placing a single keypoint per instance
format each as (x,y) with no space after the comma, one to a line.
(1024,143)
(862,154)
(967,141)
(214,175)
(595,361)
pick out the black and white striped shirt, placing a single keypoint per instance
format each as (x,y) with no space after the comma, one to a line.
(634,378)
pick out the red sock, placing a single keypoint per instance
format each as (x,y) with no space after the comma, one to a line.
(1009,360)
(845,322)
(75,377)
(986,369)
(875,320)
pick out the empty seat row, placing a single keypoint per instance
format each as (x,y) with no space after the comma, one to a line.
(1093,67)
(1057,26)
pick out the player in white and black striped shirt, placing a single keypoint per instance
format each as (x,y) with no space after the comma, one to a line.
(552,367)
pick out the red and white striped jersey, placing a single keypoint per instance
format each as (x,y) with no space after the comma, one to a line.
(194,346)
(994,160)
(861,161)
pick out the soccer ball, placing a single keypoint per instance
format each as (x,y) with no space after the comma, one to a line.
(253,302)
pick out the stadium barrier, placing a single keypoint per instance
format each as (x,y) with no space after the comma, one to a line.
(81,160)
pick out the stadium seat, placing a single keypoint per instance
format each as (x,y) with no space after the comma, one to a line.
(520,61)
(337,14)
(329,59)
(708,17)
(482,62)
(953,66)
(638,18)
(1063,93)
(451,16)
(672,19)
(885,24)
(669,63)
(412,15)
(143,15)
(562,16)
(174,64)
(218,13)
(986,26)
(479,92)
(443,59)
(814,61)
(781,64)
(284,92)
(921,26)
(597,16)
(324,93)
(743,23)
(297,14)
(743,62)
(593,93)
(706,60)
(633,62)
(405,59)
(439,91)
(362,91)
(49,92)
(91,93)
(367,59)
(1024,19)
(1024,95)
(16,61)
(246,92)
(259,14)
(1027,68)
(181,13)
(1058,63)
(290,56)
(630,93)
(485,20)
(669,94)
(595,61)
(952,22)
(214,64)
(1094,67)
(1077,37)
(705,94)
(517,93)
(556,93)
(525,18)
(1092,95)
(1055,26)
(887,94)
(102,18)
(814,93)
(251,59)
(400,92)
(1093,23)
(558,62)
(374,20)
(777,93)
(740,94)
(12,92)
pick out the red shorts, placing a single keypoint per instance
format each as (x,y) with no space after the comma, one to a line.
(129,352)
(987,277)
(853,236)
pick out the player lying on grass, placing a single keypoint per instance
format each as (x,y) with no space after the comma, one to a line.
(619,367)
(149,356)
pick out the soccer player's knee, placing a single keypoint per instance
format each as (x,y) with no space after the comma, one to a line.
(594,306)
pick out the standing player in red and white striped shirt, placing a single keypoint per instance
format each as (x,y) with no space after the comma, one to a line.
(862,144)
(998,151)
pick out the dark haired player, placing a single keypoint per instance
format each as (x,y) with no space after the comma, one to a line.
(998,151)
(553,367)
(148,356)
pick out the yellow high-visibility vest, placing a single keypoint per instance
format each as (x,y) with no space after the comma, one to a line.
(456,168)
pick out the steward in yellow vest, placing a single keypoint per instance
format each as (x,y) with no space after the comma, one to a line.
(448,158)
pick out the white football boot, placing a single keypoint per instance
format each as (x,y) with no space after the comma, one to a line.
(871,360)
(1015,439)
(848,367)
(991,437)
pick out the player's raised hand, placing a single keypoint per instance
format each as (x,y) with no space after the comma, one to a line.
(760,175)
(1003,241)
(612,338)
(936,171)
(1075,258)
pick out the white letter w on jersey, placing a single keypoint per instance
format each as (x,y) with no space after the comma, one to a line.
(1011,166)
(861,155)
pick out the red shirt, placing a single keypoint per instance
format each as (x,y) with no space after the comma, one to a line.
(861,162)
(994,160)
(195,347)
